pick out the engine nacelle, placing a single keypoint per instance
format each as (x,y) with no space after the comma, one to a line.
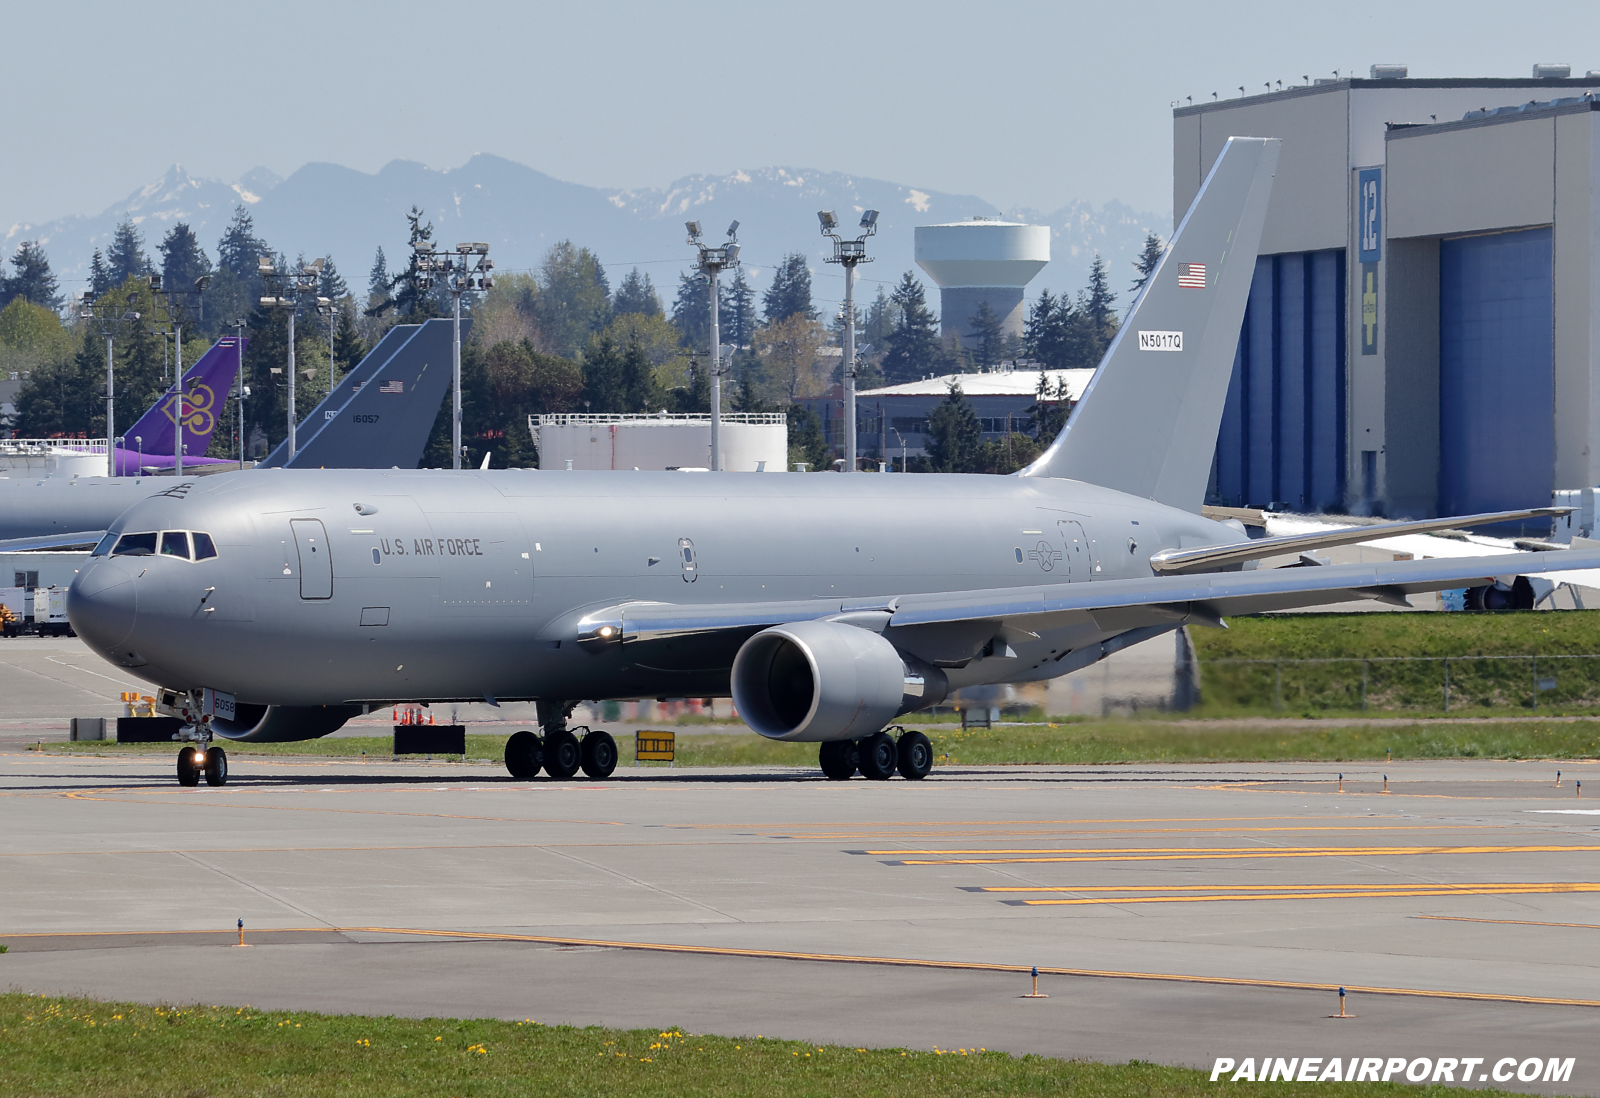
(823,680)
(283,724)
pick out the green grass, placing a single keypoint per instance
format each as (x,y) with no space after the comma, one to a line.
(1107,741)
(63,1046)
(1479,685)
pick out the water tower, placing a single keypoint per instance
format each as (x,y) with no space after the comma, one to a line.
(981,260)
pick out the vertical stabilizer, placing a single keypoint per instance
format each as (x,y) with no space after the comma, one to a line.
(205,386)
(1147,424)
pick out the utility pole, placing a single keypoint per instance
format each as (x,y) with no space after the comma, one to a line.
(713,261)
(459,278)
(177,309)
(239,327)
(108,317)
(848,253)
(284,289)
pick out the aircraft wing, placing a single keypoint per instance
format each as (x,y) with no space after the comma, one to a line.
(80,539)
(949,628)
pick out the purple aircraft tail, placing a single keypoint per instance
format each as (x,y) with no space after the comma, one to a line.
(149,442)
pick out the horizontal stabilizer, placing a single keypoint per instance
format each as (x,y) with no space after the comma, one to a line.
(1210,558)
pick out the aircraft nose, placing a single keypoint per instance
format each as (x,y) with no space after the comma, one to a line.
(102,604)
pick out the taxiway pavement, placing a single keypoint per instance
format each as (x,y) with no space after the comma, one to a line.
(1178,913)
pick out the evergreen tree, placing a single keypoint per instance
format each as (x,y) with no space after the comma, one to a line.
(127,254)
(691,311)
(913,343)
(240,249)
(790,292)
(1146,263)
(616,379)
(988,334)
(408,295)
(954,434)
(574,298)
(378,277)
(331,284)
(805,439)
(182,259)
(348,347)
(880,321)
(99,275)
(32,281)
(1051,406)
(636,295)
(737,311)
(1098,300)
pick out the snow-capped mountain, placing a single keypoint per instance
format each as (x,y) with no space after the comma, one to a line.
(325,209)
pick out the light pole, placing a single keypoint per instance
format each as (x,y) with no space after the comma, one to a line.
(713,261)
(175,318)
(848,253)
(284,289)
(459,278)
(239,327)
(108,317)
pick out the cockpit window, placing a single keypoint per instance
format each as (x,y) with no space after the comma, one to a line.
(135,545)
(105,545)
(175,543)
(204,549)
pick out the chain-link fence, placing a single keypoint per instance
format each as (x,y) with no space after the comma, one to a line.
(1458,685)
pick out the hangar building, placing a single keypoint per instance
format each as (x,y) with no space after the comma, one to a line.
(1421,335)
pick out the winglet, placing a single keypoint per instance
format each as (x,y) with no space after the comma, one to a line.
(1147,423)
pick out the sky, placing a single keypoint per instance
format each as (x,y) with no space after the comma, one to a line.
(1020,102)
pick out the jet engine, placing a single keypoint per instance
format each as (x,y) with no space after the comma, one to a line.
(824,680)
(283,723)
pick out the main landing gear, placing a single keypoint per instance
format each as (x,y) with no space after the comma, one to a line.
(561,754)
(878,756)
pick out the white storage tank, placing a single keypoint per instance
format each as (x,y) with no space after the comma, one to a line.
(751,441)
(981,260)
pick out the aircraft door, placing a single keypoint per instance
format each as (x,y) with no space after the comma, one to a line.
(1080,557)
(316,559)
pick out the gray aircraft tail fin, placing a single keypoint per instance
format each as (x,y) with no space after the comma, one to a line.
(1147,423)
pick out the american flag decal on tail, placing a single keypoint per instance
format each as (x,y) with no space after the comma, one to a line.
(392,387)
(1192,276)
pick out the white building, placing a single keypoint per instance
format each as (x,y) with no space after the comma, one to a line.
(751,441)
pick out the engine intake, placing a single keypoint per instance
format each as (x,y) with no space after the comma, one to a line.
(823,680)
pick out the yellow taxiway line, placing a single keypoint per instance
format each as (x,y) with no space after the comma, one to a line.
(1158,854)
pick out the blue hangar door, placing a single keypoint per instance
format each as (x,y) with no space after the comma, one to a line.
(1282,438)
(1497,445)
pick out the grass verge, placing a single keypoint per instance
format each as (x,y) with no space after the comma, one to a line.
(64,1046)
(1082,742)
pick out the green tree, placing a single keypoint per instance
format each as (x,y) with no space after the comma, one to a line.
(182,259)
(913,342)
(378,281)
(881,317)
(409,296)
(126,256)
(616,379)
(1146,263)
(513,382)
(31,280)
(636,295)
(737,311)
(348,346)
(790,292)
(988,334)
(1051,407)
(99,275)
(691,310)
(1097,303)
(954,434)
(330,284)
(805,439)
(574,298)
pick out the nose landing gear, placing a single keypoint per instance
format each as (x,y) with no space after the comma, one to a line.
(878,756)
(199,758)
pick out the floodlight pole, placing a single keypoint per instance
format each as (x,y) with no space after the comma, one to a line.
(177,308)
(296,283)
(108,318)
(239,326)
(848,253)
(460,278)
(713,261)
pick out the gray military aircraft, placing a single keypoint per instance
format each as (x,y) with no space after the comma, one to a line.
(276,605)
